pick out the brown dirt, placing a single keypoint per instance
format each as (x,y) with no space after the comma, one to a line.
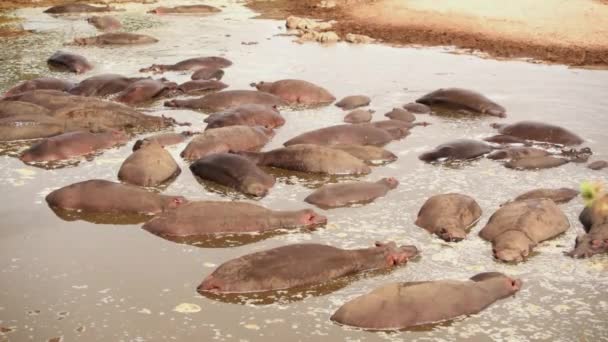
(556,31)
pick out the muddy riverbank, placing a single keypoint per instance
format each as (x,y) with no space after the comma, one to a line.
(556,31)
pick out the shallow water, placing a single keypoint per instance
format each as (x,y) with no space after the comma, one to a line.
(94,282)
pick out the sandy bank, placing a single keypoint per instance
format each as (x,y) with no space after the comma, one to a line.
(573,32)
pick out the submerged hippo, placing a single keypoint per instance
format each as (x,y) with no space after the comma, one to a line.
(296,92)
(449,216)
(403,305)
(539,131)
(78,8)
(462,149)
(310,158)
(343,134)
(150,165)
(117,38)
(101,196)
(163,139)
(207,73)
(65,61)
(344,194)
(105,23)
(72,144)
(535,163)
(144,90)
(225,139)
(353,101)
(401,115)
(247,115)
(417,108)
(369,154)
(561,195)
(201,86)
(42,83)
(29,126)
(211,217)
(359,116)
(517,153)
(301,265)
(458,99)
(227,99)
(186,9)
(517,227)
(190,64)
(103,85)
(234,171)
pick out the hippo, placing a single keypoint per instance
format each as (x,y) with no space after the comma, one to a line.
(506,139)
(207,73)
(163,139)
(310,158)
(102,196)
(297,92)
(144,90)
(247,115)
(359,116)
(105,23)
(201,86)
(343,134)
(574,155)
(72,144)
(559,196)
(539,131)
(462,149)
(517,227)
(344,194)
(397,129)
(417,108)
(78,8)
(186,9)
(78,112)
(150,165)
(49,83)
(15,108)
(449,216)
(225,139)
(595,222)
(369,154)
(301,264)
(234,171)
(116,38)
(353,101)
(598,165)
(103,85)
(190,64)
(29,126)
(226,99)
(517,153)
(401,115)
(65,61)
(535,163)
(462,99)
(404,305)
(199,218)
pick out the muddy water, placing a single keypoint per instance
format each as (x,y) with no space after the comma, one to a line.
(94,282)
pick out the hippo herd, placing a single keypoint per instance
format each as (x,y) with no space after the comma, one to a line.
(60,121)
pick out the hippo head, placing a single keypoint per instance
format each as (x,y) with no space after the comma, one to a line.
(158,10)
(435,154)
(172,202)
(451,233)
(308,218)
(154,68)
(512,246)
(256,188)
(390,182)
(394,255)
(498,284)
(499,154)
(82,41)
(262,86)
(589,244)
(172,103)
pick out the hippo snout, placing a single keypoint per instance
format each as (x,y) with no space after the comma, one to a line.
(509,255)
(452,235)
(170,103)
(311,218)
